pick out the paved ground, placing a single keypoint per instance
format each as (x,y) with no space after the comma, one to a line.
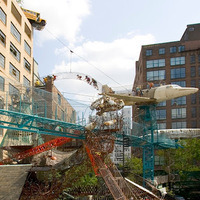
(12,178)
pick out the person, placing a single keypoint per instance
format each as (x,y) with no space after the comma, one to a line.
(54,77)
(87,79)
(37,83)
(94,82)
(150,85)
(45,79)
(79,77)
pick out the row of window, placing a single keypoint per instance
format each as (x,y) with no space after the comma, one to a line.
(161,74)
(175,125)
(178,125)
(14,70)
(177,113)
(13,89)
(161,51)
(16,14)
(180,101)
(27,48)
(161,62)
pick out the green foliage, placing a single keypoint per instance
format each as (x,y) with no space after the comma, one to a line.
(80,175)
(132,167)
(49,176)
(185,159)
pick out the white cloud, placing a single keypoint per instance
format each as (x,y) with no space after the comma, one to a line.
(109,63)
(64,17)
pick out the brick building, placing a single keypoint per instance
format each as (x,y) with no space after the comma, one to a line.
(176,62)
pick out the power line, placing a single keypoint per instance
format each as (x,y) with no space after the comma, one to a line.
(71,51)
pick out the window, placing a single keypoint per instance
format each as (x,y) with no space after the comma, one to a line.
(26,82)
(155,63)
(192,59)
(16,13)
(2,16)
(193,112)
(193,99)
(177,61)
(161,126)
(156,75)
(59,99)
(2,83)
(199,58)
(193,83)
(193,124)
(27,31)
(193,71)
(62,115)
(159,160)
(178,101)
(2,38)
(27,65)
(178,73)
(15,32)
(178,113)
(172,49)
(177,125)
(27,48)
(163,103)
(149,52)
(160,114)
(199,70)
(162,51)
(181,48)
(15,52)
(181,83)
(13,90)
(2,61)
(14,72)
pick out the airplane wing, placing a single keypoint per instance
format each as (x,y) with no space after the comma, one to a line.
(131,100)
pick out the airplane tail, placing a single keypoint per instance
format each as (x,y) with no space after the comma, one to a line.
(106,89)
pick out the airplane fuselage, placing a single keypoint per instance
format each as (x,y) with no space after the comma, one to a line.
(168,92)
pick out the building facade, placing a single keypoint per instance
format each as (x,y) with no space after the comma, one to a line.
(122,152)
(19,71)
(16,50)
(175,62)
(16,45)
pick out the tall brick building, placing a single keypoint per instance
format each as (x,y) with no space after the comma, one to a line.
(175,62)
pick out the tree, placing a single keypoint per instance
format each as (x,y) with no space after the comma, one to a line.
(132,167)
(184,159)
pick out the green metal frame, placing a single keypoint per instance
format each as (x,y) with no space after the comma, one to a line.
(40,125)
(147,118)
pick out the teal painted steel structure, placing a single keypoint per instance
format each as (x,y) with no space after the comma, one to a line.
(40,125)
(27,111)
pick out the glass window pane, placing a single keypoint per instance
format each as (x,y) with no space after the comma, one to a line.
(2,83)
(2,61)
(15,52)
(14,72)
(162,51)
(2,16)
(2,38)
(15,33)
(27,48)
(27,65)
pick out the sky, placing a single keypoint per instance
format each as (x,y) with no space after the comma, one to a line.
(105,37)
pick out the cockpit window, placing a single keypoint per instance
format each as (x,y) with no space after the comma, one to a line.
(176,86)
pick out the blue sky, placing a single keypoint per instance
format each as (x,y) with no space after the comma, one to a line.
(108,34)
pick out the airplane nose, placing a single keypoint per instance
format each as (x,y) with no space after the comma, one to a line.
(188,90)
